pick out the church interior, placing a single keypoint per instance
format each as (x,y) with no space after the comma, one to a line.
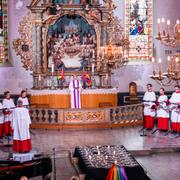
(89,89)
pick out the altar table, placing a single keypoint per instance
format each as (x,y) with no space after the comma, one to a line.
(90,98)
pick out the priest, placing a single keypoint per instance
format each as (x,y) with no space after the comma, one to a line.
(8,105)
(149,107)
(20,124)
(175,109)
(75,88)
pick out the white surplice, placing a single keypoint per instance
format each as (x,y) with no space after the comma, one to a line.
(24,101)
(175,111)
(8,104)
(163,111)
(149,100)
(20,124)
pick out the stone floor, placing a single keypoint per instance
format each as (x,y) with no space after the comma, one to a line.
(159,165)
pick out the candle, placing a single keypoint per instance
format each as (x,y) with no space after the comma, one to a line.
(177,64)
(163,27)
(159,30)
(160,68)
(106,76)
(177,22)
(92,67)
(169,64)
(168,25)
(39,78)
(153,61)
(52,68)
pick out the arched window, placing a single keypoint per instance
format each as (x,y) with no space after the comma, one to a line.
(3,31)
(138,20)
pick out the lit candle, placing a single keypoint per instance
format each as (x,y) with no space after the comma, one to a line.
(159,30)
(168,25)
(163,27)
(160,68)
(177,21)
(153,61)
(52,68)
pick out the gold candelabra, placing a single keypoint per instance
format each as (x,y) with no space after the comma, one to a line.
(172,75)
(166,35)
(113,55)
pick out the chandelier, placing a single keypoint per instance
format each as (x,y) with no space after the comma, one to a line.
(172,74)
(166,35)
(113,55)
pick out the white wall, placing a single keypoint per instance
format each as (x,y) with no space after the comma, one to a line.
(16,78)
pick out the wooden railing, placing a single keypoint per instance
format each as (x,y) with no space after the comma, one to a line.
(87,118)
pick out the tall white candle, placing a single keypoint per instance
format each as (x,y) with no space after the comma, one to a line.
(92,67)
(52,68)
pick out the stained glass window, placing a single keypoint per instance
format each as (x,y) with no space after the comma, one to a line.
(3,31)
(139,28)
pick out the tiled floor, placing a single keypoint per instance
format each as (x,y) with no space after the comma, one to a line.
(160,166)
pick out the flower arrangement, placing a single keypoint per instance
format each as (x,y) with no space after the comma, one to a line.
(86,80)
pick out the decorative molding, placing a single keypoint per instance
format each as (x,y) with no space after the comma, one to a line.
(23,46)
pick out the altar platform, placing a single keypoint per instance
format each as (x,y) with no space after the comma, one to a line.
(90,98)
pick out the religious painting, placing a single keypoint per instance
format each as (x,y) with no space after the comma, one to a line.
(139,28)
(3,31)
(71,43)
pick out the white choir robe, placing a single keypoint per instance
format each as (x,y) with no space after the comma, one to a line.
(25,101)
(163,113)
(149,100)
(1,120)
(75,88)
(175,111)
(21,135)
(8,104)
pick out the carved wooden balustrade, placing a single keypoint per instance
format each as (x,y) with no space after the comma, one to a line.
(118,116)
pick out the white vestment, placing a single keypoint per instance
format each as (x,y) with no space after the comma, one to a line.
(149,100)
(8,104)
(75,91)
(175,111)
(20,123)
(163,110)
(24,101)
(1,114)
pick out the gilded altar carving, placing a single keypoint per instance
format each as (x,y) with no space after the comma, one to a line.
(73,116)
(97,116)
(23,45)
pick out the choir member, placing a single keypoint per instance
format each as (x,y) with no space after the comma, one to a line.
(175,109)
(162,111)
(24,98)
(20,124)
(149,104)
(75,91)
(1,120)
(8,105)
